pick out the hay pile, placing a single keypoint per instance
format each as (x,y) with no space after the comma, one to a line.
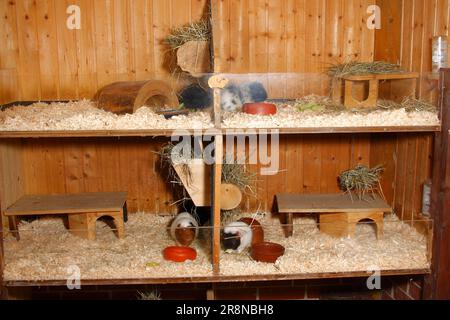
(363,68)
(196,31)
(362,180)
(83,115)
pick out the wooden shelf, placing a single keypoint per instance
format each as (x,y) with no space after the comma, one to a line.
(219,279)
(224,131)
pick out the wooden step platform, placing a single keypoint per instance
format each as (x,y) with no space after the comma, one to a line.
(83,210)
(343,87)
(338,213)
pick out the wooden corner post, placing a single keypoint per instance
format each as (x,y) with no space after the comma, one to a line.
(437,285)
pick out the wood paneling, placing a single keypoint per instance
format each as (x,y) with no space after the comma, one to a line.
(122,40)
(307,164)
(407,30)
(259,36)
(407,159)
(40,58)
(79,165)
(11,173)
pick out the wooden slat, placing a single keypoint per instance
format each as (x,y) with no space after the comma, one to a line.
(105,50)
(333,203)
(67,203)
(11,173)
(86,48)
(123,41)
(142,24)
(219,279)
(28,67)
(9,59)
(67,53)
(48,49)
(230,131)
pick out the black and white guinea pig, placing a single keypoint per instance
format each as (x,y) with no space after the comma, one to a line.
(237,236)
(184,229)
(232,97)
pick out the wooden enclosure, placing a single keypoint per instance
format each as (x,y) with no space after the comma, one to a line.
(124,41)
(42,59)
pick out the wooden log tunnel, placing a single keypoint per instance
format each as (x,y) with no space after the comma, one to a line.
(128,96)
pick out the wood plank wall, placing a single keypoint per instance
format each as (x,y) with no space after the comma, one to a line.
(92,165)
(40,58)
(406,37)
(260,36)
(12,178)
(408,27)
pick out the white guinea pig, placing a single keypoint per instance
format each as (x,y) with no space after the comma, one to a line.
(237,236)
(184,229)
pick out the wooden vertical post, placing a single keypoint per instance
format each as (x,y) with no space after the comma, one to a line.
(217,83)
(2,288)
(217,181)
(437,285)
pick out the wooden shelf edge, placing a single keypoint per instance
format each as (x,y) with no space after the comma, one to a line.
(218,279)
(224,131)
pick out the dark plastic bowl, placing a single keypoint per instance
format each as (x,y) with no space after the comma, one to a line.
(260,108)
(267,252)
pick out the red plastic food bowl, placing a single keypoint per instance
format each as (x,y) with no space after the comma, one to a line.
(179,254)
(262,108)
(267,252)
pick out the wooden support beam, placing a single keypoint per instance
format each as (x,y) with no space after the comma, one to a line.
(217,181)
(437,285)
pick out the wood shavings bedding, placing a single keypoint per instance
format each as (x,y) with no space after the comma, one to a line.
(83,115)
(47,249)
(288,116)
(310,251)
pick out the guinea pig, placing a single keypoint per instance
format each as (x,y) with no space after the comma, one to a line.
(195,96)
(237,236)
(184,229)
(232,97)
(253,92)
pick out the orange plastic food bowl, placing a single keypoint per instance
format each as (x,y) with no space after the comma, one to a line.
(179,254)
(260,108)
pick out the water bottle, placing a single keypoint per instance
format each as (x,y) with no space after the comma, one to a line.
(440,53)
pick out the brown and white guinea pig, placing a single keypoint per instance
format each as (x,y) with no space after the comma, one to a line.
(240,235)
(184,229)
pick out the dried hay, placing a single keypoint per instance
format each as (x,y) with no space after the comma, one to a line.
(153,295)
(237,173)
(410,104)
(196,31)
(363,68)
(362,180)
